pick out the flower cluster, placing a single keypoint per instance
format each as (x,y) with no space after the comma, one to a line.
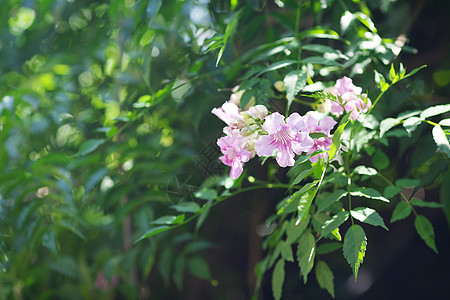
(254,131)
(346,96)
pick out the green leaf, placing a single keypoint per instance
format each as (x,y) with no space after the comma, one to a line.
(168,220)
(306,252)
(336,140)
(320,61)
(355,243)
(316,135)
(326,199)
(278,279)
(319,48)
(294,230)
(165,261)
(387,124)
(305,203)
(425,230)
(411,124)
(392,74)
(391,190)
(89,146)
(247,97)
(276,66)
(205,212)
(294,82)
(414,71)
(318,168)
(434,111)
(199,268)
(300,177)
(366,21)
(336,234)
(325,277)
(152,231)
(286,252)
(206,194)
(152,9)
(334,222)
(328,247)
(441,140)
(407,182)
(229,31)
(178,271)
(186,207)
(363,170)
(381,82)
(445,122)
(380,160)
(368,193)
(368,216)
(421,203)
(402,210)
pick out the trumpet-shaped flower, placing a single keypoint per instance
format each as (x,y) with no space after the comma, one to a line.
(284,136)
(352,99)
(234,153)
(312,125)
(229,113)
(345,85)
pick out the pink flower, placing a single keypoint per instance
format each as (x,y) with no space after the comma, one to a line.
(311,125)
(232,146)
(345,85)
(229,113)
(351,99)
(284,137)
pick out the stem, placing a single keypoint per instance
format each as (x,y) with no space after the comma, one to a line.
(370,110)
(431,122)
(304,102)
(247,189)
(349,183)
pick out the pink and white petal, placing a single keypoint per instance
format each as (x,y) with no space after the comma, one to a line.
(265,146)
(220,113)
(236,170)
(336,108)
(326,124)
(257,112)
(294,121)
(307,141)
(274,123)
(285,157)
(314,158)
(225,160)
(222,142)
(244,155)
(345,84)
(309,123)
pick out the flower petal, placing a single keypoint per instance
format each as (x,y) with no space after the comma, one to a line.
(236,170)
(274,123)
(294,121)
(310,124)
(265,146)
(326,124)
(285,157)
